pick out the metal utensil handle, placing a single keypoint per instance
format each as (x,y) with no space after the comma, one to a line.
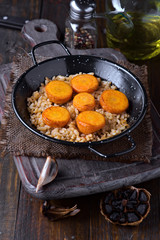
(46,43)
(130,139)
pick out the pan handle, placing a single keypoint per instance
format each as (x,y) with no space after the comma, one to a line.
(46,43)
(132,147)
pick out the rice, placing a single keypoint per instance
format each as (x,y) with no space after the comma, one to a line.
(38,102)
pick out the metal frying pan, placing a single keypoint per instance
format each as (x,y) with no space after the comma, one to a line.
(126,82)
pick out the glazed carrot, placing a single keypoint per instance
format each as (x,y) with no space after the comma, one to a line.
(90,121)
(84,83)
(56,116)
(58,91)
(114,101)
(84,101)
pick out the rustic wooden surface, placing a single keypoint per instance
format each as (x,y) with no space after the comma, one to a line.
(20,214)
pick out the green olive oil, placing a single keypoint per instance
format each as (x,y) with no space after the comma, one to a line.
(142,43)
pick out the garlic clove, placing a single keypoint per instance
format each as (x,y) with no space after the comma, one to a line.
(48,173)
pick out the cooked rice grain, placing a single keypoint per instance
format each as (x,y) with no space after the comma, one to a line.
(38,102)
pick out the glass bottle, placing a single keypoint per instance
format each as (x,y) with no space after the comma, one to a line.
(142,41)
(80,26)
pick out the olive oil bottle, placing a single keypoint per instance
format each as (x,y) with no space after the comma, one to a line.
(142,42)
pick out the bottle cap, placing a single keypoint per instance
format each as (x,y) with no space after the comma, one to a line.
(82,9)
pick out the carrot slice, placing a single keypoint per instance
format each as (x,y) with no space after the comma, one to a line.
(56,116)
(84,83)
(90,121)
(114,101)
(58,91)
(84,101)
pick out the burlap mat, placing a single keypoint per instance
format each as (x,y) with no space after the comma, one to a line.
(18,140)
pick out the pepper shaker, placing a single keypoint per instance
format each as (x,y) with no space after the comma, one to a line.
(80,26)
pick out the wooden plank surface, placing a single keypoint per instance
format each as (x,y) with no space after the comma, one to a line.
(10,185)
(88,224)
(12,40)
(20,214)
(9,197)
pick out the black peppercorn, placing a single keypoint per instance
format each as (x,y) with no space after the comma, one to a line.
(80,26)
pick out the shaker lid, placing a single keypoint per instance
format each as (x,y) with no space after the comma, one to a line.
(82,9)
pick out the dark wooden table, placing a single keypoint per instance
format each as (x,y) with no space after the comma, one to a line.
(20,214)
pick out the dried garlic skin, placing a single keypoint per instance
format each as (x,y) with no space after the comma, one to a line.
(126,206)
(56,212)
